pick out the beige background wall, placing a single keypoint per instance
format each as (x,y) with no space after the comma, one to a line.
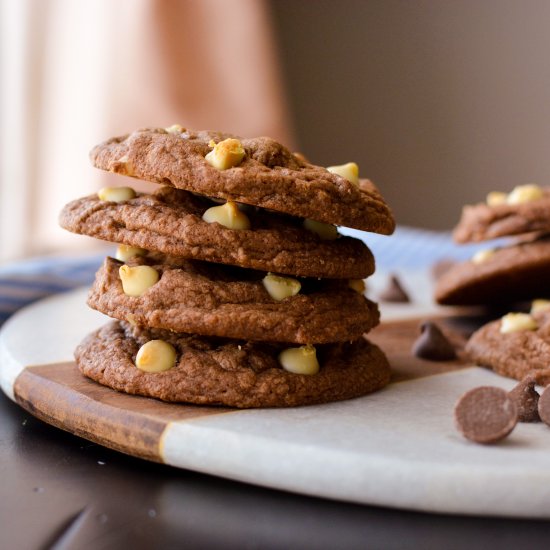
(74,73)
(438,101)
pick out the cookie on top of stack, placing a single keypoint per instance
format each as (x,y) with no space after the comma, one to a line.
(518,344)
(231,284)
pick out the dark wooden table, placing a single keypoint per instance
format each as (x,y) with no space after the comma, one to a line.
(60,491)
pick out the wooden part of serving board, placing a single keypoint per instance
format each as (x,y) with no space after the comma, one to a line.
(397,447)
(58,394)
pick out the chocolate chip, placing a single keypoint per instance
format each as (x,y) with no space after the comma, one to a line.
(394,292)
(544,406)
(432,344)
(526,399)
(486,414)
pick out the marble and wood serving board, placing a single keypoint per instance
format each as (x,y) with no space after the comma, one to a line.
(395,448)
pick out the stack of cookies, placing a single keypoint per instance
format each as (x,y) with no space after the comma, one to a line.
(506,274)
(231,285)
(518,344)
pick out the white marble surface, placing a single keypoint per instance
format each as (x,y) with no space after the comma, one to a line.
(45,332)
(396,448)
(418,284)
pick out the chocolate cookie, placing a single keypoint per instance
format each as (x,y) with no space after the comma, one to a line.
(514,354)
(170,221)
(268,176)
(215,300)
(210,371)
(505,275)
(480,222)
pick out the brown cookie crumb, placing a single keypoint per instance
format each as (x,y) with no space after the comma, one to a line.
(486,414)
(544,406)
(432,344)
(526,399)
(394,292)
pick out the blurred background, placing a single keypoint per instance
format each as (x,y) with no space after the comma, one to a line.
(439,102)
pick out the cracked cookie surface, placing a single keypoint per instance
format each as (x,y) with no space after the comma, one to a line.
(215,300)
(234,373)
(511,274)
(480,222)
(515,354)
(269,176)
(170,221)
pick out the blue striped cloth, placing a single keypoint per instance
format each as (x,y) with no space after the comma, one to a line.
(24,282)
(411,248)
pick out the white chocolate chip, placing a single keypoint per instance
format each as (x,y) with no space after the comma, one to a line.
(228,215)
(226,154)
(524,193)
(326,231)
(280,288)
(302,360)
(358,285)
(175,129)
(515,322)
(123,166)
(350,171)
(483,255)
(494,198)
(539,305)
(136,280)
(116,194)
(125,252)
(156,356)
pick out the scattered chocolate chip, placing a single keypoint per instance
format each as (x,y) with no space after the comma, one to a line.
(526,399)
(544,406)
(486,414)
(432,344)
(394,292)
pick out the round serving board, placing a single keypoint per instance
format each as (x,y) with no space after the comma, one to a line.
(396,448)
